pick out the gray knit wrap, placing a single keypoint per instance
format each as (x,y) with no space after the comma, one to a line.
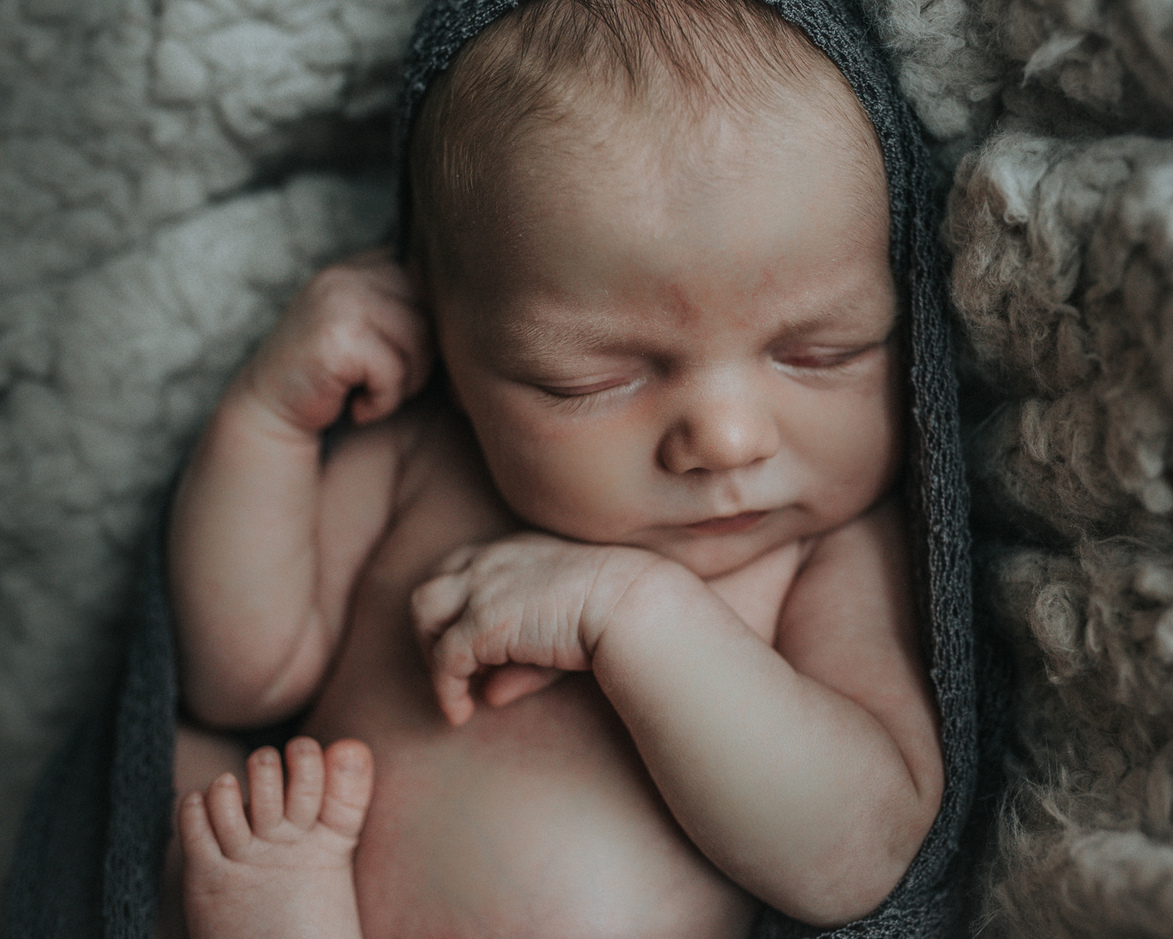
(931,899)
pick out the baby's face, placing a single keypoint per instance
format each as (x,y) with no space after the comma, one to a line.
(683,339)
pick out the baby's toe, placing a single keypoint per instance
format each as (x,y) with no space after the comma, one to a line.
(196,836)
(303,794)
(225,810)
(350,776)
(266,788)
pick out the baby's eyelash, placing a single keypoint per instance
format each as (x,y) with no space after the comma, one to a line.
(573,391)
(576,398)
(820,363)
(567,404)
(826,364)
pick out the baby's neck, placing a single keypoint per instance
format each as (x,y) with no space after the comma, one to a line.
(757,590)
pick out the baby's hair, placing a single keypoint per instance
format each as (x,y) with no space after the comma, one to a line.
(675,58)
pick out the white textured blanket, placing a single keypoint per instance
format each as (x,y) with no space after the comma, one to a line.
(171,170)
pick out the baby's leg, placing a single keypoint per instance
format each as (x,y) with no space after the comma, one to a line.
(284,868)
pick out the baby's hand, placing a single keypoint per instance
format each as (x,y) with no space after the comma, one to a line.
(354,329)
(530,606)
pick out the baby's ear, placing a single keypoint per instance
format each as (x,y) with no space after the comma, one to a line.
(450,388)
(416,269)
(418,282)
(454,394)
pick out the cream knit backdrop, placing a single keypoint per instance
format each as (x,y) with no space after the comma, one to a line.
(171,170)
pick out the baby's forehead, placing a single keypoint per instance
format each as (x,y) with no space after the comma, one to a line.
(668,128)
(535,72)
(602,149)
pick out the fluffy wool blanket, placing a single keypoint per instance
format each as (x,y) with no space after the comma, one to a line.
(171,170)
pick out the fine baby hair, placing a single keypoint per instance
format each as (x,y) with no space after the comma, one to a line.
(672,62)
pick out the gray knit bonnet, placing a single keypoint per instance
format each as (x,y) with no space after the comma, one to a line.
(931,900)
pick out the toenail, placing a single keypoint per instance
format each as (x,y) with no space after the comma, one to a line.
(300,745)
(350,762)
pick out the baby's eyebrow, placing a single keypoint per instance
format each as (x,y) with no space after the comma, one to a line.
(813,319)
(536,344)
(535,339)
(834,328)
(848,314)
(558,328)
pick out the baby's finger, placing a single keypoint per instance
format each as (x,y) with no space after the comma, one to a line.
(410,336)
(435,604)
(458,560)
(510,682)
(384,388)
(455,699)
(453,665)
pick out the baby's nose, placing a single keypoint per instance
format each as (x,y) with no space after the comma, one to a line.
(724,427)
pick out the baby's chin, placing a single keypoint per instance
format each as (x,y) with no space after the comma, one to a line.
(715,553)
(711,556)
(710,561)
(708,555)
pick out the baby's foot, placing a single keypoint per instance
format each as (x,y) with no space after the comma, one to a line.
(284,869)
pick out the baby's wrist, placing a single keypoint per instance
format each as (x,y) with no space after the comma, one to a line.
(258,411)
(305,401)
(645,597)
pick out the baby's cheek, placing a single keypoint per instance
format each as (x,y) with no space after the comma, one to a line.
(867,452)
(586,489)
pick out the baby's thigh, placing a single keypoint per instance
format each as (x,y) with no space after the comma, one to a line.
(200,756)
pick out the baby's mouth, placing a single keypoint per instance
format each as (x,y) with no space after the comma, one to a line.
(727,525)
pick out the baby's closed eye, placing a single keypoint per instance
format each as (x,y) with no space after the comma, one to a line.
(814,358)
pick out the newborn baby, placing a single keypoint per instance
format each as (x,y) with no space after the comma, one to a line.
(620,607)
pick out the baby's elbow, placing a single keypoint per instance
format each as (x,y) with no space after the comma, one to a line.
(858,872)
(832,895)
(828,898)
(238,702)
(220,706)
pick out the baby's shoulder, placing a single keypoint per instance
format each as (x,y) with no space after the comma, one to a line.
(854,588)
(422,431)
(879,532)
(427,463)
(369,469)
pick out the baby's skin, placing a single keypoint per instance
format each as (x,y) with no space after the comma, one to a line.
(532,819)
(624,616)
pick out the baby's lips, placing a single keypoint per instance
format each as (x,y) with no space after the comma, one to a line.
(728,524)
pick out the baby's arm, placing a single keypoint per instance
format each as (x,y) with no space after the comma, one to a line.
(266,536)
(810,777)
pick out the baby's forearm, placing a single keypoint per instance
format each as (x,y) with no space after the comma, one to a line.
(796,792)
(243,564)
